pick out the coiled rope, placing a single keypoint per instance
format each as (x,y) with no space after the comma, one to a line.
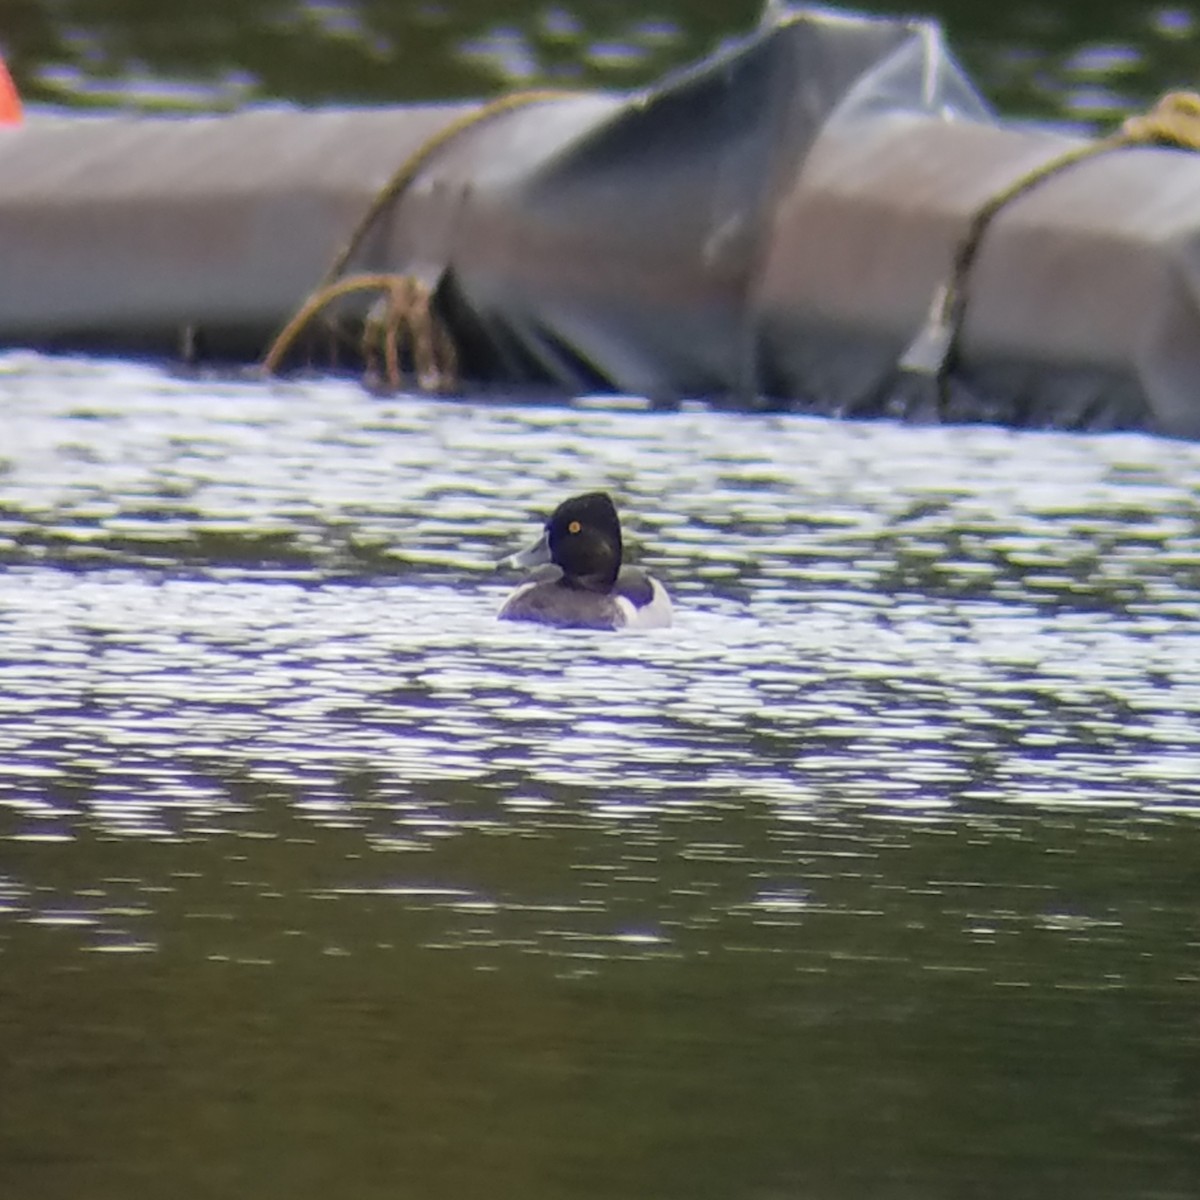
(1173,121)
(405,310)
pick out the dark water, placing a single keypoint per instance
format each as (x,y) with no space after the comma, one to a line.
(1081,63)
(875,876)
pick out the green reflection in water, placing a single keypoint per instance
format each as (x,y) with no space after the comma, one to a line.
(835,1009)
(1061,60)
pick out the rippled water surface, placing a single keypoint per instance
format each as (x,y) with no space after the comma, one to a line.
(875,876)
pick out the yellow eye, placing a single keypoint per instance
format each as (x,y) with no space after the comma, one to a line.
(574,527)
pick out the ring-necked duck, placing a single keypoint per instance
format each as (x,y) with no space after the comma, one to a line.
(590,588)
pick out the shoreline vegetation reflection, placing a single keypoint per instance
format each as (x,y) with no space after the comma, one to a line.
(1078,65)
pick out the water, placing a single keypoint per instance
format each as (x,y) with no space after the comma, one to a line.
(1082,65)
(873,876)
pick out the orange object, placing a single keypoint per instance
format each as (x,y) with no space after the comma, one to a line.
(10,102)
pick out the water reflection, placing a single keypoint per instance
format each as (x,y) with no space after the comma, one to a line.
(1080,64)
(907,797)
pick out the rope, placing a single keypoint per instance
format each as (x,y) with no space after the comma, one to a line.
(399,289)
(1173,121)
(405,311)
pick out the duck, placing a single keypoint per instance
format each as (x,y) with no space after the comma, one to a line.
(581,582)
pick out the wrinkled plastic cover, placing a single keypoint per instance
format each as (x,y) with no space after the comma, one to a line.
(628,256)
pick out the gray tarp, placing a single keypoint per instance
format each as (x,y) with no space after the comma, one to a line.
(769,226)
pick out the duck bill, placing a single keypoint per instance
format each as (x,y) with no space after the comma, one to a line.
(536,555)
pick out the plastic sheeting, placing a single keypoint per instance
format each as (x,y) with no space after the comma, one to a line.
(632,256)
(768,226)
